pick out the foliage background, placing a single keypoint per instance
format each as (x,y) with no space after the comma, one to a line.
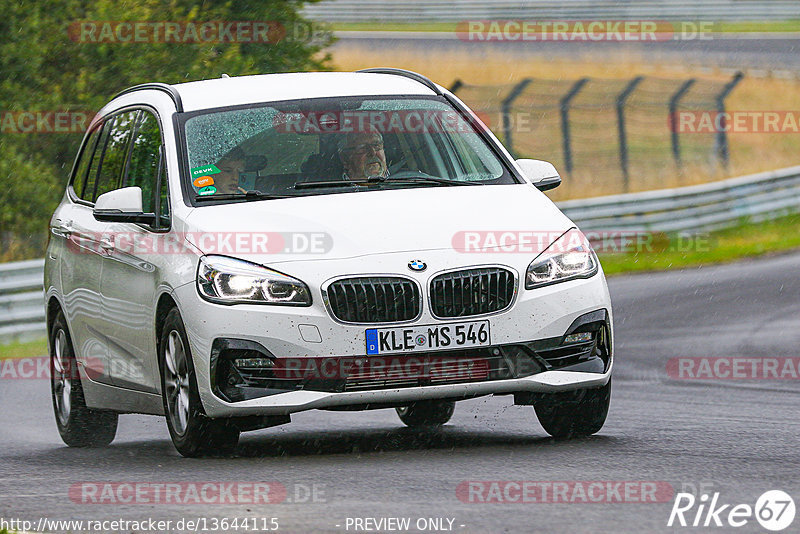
(43,69)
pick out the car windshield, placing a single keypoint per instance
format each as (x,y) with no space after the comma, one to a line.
(333,145)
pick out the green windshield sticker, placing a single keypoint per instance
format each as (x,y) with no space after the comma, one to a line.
(210,190)
(204,170)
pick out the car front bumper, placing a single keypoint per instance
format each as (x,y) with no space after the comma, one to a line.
(542,314)
(298,401)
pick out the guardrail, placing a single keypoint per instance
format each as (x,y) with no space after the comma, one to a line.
(694,208)
(686,209)
(459,10)
(21,300)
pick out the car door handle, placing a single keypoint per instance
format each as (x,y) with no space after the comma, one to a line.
(107,244)
(61,228)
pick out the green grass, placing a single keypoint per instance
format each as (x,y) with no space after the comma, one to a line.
(717,27)
(26,349)
(747,27)
(746,240)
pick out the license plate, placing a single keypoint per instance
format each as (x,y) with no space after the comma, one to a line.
(428,337)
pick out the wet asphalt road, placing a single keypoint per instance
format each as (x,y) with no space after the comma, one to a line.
(735,437)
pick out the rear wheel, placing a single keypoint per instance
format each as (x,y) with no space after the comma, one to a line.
(427,413)
(574,413)
(78,425)
(193,433)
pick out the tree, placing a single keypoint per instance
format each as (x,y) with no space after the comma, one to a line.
(48,65)
(27,199)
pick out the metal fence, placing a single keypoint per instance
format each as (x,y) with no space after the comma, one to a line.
(695,208)
(605,125)
(459,10)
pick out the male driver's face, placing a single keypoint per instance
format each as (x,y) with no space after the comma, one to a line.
(227,180)
(363,156)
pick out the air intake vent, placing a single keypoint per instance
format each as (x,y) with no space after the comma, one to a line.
(374,299)
(472,292)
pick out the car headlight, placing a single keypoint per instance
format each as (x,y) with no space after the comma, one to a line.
(230,281)
(567,258)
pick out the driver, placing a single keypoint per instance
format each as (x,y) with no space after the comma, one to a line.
(362,155)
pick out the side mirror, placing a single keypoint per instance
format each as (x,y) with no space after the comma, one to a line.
(541,174)
(122,205)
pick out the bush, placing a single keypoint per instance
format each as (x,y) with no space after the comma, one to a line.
(30,192)
(46,68)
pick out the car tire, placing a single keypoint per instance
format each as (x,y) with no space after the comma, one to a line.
(574,413)
(193,432)
(78,425)
(426,413)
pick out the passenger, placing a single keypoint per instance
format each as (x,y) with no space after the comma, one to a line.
(231,164)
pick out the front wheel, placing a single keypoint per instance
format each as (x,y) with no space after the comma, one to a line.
(574,413)
(426,413)
(193,432)
(78,425)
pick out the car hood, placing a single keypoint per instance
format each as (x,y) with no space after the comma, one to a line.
(349,225)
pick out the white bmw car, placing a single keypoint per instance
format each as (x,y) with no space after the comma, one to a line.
(231,251)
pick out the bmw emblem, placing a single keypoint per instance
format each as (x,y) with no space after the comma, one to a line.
(417,265)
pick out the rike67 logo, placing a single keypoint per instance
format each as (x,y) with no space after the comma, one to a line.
(774,510)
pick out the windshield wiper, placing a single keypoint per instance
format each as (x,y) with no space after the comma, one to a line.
(421,179)
(329,183)
(249,195)
(417,178)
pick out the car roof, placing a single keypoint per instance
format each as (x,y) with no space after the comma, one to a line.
(222,92)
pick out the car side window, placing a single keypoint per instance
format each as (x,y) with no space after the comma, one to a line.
(144,167)
(88,189)
(163,196)
(115,155)
(84,159)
